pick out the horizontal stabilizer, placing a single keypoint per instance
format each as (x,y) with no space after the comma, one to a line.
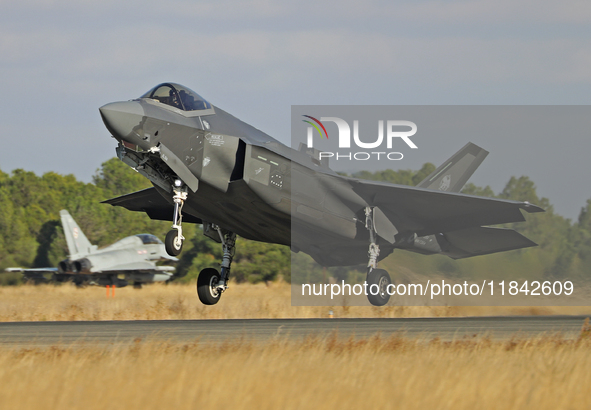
(150,202)
(455,172)
(483,241)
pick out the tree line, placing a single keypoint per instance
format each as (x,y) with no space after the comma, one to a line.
(31,234)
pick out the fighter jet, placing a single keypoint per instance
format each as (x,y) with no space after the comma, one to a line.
(208,167)
(133,257)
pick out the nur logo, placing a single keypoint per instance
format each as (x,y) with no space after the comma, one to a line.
(310,140)
(393,129)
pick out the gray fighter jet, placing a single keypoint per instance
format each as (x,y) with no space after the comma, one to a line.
(133,257)
(210,168)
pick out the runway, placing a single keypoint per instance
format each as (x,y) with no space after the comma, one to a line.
(113,332)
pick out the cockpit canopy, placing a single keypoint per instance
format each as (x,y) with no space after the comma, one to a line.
(177,96)
(149,239)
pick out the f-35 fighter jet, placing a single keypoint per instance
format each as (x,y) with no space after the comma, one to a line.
(133,257)
(210,168)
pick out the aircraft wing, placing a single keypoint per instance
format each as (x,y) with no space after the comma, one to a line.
(31,270)
(35,274)
(150,202)
(137,266)
(426,211)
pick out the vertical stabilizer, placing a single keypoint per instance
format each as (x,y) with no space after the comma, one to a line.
(455,172)
(78,244)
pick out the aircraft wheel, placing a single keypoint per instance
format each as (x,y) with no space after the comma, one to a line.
(206,283)
(173,244)
(381,279)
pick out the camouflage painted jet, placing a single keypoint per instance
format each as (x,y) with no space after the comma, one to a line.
(133,257)
(210,168)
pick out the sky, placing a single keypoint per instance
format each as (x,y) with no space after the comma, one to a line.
(60,60)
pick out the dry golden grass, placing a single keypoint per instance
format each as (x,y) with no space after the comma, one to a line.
(541,373)
(176,301)
(322,373)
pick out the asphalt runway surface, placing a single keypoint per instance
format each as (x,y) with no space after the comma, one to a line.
(121,332)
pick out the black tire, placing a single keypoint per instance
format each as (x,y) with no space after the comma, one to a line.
(381,278)
(207,278)
(173,245)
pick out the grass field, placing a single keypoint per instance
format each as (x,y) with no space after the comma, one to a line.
(542,373)
(323,373)
(175,301)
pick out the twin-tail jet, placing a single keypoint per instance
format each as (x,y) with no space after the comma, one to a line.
(208,167)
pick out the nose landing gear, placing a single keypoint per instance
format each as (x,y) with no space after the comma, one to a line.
(174,238)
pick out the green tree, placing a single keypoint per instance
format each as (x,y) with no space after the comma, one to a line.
(471,189)
(400,177)
(116,178)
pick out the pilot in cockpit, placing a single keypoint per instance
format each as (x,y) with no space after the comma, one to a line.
(178,97)
(186,99)
(174,99)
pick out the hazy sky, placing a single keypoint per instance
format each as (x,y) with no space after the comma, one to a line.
(62,59)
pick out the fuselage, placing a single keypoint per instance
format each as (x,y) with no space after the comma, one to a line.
(244,181)
(133,257)
(126,251)
(239,177)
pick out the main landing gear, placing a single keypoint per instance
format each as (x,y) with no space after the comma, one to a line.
(174,238)
(377,279)
(211,283)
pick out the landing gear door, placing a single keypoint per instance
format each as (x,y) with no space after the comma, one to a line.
(384,228)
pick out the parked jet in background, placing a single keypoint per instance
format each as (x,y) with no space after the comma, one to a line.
(133,257)
(208,167)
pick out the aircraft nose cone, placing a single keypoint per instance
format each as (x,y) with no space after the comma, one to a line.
(122,118)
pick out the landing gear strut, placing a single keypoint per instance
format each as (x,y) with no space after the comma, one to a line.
(377,279)
(211,283)
(174,238)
